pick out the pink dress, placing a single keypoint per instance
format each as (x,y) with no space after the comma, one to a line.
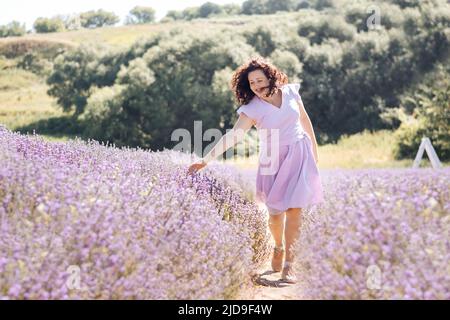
(287,175)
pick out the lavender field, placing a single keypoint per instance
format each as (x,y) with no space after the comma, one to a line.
(85,220)
(381,234)
(88,221)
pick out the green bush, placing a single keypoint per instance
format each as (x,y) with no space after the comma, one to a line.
(262,40)
(97,19)
(140,15)
(104,116)
(147,111)
(32,62)
(209,8)
(12,29)
(47,25)
(72,77)
(250,7)
(430,118)
(318,29)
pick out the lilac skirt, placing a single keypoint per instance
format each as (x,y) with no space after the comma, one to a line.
(293,180)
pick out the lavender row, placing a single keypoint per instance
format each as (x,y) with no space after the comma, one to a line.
(380,234)
(86,220)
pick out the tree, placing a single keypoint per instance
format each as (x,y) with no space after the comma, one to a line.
(174,14)
(320,4)
(406,3)
(70,21)
(318,30)
(190,13)
(231,9)
(268,6)
(262,40)
(209,8)
(250,7)
(140,15)
(167,86)
(99,18)
(72,78)
(12,29)
(430,118)
(289,63)
(47,25)
(4,31)
(281,5)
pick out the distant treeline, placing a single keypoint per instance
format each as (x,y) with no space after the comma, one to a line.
(90,19)
(145,14)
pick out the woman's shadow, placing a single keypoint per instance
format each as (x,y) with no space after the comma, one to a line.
(269,279)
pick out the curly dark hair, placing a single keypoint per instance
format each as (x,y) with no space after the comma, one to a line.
(241,86)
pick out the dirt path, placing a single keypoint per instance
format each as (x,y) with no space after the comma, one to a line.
(269,286)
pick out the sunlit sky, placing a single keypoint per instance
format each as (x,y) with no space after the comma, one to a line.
(27,11)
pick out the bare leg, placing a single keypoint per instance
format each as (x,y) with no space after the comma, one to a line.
(276,226)
(292,231)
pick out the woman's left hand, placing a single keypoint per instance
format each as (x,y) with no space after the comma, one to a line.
(193,168)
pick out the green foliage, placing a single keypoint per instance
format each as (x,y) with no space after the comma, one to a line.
(70,21)
(231,9)
(174,15)
(76,72)
(319,29)
(320,4)
(269,6)
(32,62)
(164,87)
(289,63)
(358,14)
(261,40)
(209,8)
(104,117)
(46,25)
(255,7)
(72,77)
(430,117)
(139,15)
(12,29)
(55,126)
(97,19)
(406,3)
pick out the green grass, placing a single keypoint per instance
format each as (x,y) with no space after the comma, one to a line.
(24,99)
(358,151)
(362,150)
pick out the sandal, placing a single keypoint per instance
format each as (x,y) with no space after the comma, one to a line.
(288,274)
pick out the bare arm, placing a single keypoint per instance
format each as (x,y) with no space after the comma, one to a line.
(235,135)
(307,125)
(240,128)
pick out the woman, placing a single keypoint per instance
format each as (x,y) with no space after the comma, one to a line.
(288,179)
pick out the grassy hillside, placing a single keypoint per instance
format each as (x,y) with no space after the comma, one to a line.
(126,35)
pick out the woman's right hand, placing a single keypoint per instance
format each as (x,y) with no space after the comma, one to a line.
(193,168)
